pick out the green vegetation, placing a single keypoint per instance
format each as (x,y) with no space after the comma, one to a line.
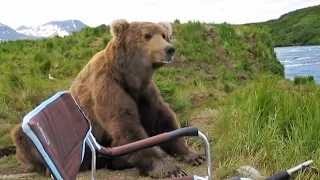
(299,27)
(275,124)
(303,80)
(226,80)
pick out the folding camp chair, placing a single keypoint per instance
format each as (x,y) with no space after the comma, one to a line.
(60,131)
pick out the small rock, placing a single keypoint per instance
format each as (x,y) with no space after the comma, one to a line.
(249,171)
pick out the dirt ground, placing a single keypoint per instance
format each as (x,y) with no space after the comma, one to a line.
(14,171)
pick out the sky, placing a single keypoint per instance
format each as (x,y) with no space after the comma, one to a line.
(15,13)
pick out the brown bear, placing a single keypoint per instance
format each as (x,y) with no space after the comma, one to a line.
(116,92)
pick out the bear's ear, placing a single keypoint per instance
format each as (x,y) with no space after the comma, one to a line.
(168,27)
(118,27)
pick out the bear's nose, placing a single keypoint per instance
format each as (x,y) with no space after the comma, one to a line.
(170,50)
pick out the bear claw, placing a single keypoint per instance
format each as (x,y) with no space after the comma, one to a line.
(193,159)
(162,169)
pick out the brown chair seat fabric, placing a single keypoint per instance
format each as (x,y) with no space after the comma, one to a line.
(59,130)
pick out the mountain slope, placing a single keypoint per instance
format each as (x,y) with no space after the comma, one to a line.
(299,27)
(7,33)
(53,28)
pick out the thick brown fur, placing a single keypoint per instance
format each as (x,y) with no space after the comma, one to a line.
(116,92)
(26,152)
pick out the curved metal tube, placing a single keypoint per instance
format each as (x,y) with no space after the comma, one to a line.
(93,160)
(207,153)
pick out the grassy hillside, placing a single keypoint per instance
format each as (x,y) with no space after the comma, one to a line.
(227,53)
(226,80)
(299,27)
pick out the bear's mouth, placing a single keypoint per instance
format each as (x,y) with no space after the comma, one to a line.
(160,62)
(167,61)
(163,62)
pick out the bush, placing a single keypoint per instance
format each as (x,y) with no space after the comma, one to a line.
(303,80)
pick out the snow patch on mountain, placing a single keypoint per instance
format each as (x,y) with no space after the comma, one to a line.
(53,28)
(7,33)
(43,31)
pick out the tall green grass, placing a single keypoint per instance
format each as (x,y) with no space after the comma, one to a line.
(193,43)
(272,125)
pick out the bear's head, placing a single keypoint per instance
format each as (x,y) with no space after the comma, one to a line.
(146,42)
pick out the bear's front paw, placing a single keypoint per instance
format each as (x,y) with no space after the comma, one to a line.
(162,169)
(193,159)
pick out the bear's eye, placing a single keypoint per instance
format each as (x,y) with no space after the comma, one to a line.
(148,36)
(163,36)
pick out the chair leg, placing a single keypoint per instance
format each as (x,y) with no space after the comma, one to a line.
(93,161)
(207,152)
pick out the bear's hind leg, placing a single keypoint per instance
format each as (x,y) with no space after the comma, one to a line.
(149,161)
(26,152)
(157,117)
(122,122)
(120,163)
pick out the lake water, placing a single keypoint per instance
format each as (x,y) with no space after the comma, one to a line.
(300,61)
